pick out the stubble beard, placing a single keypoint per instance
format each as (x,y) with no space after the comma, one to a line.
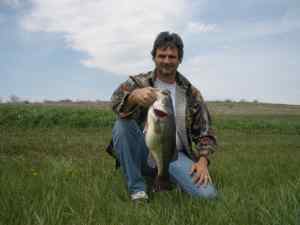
(167,71)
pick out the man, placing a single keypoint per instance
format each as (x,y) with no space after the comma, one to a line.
(195,141)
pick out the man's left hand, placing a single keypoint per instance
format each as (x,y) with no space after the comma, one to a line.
(200,173)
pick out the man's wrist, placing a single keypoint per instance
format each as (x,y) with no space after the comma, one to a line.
(204,159)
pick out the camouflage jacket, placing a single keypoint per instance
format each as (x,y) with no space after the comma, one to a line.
(200,137)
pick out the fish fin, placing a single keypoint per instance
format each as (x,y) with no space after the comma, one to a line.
(156,159)
(145,128)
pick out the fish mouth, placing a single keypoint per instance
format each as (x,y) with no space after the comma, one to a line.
(160,113)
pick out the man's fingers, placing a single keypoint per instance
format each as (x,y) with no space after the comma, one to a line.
(206,179)
(146,96)
(153,95)
(192,170)
(154,89)
(201,180)
(143,101)
(200,175)
(149,96)
(209,179)
(196,178)
(146,99)
(195,175)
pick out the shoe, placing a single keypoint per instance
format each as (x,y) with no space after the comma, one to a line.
(139,196)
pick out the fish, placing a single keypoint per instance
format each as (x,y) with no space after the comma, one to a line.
(160,137)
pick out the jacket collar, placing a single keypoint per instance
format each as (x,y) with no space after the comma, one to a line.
(180,79)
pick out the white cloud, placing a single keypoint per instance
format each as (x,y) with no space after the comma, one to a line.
(117,35)
(252,72)
(232,58)
(194,27)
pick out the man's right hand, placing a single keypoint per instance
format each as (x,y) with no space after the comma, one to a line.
(143,96)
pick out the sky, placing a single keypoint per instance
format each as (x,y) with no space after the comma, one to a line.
(83,49)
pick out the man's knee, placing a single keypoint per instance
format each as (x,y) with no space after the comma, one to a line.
(126,132)
(123,127)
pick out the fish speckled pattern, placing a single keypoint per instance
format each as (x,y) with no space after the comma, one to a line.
(161,137)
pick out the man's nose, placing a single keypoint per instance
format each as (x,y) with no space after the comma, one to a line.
(166,59)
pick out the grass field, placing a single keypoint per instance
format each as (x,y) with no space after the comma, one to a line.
(54,170)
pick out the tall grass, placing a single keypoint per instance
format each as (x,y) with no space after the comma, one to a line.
(30,116)
(58,173)
(267,123)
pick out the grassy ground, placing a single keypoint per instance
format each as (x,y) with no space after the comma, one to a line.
(53,170)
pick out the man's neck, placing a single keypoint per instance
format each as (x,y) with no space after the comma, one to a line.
(170,79)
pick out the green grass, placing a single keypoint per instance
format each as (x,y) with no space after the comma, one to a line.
(54,170)
(30,116)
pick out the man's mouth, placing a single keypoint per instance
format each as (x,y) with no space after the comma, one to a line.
(167,67)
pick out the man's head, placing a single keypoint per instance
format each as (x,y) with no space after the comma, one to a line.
(166,39)
(167,54)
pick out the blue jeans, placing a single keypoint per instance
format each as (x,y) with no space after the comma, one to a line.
(132,152)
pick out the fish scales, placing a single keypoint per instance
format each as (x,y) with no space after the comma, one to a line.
(161,136)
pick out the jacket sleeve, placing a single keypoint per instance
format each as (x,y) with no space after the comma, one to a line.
(119,99)
(203,136)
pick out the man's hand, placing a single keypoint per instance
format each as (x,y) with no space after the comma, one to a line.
(143,96)
(200,173)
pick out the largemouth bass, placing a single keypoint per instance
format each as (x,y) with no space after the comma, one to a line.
(161,137)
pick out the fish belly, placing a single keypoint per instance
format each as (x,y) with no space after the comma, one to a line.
(161,145)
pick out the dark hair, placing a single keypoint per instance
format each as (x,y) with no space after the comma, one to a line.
(167,39)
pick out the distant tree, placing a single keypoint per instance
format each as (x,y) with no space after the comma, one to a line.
(65,101)
(14,99)
(255,101)
(228,101)
(48,101)
(1,100)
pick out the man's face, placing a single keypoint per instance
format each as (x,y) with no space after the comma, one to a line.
(166,61)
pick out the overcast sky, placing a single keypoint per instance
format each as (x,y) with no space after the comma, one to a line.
(82,50)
